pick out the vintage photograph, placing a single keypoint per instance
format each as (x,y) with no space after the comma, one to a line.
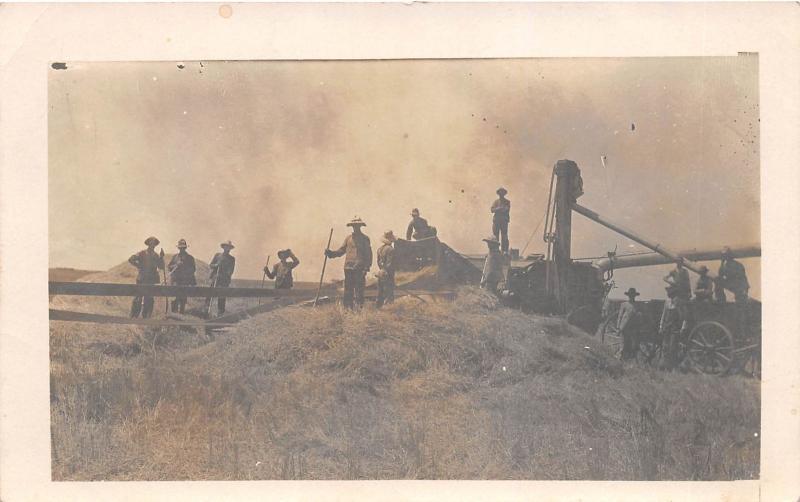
(488,269)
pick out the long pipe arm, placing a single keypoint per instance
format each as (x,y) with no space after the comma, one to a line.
(649,259)
(658,248)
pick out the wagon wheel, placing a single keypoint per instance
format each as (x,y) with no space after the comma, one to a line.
(710,348)
(610,336)
(584,317)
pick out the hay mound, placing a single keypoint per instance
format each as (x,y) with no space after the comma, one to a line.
(463,389)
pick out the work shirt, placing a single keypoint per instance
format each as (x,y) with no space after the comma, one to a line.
(148,262)
(357,252)
(181,270)
(626,317)
(282,273)
(733,276)
(222,264)
(419,228)
(680,278)
(386,258)
(501,208)
(703,289)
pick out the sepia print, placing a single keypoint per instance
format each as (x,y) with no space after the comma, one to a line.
(543,269)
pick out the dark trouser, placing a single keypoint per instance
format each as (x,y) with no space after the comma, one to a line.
(220,303)
(179,304)
(500,231)
(630,343)
(354,282)
(142,304)
(385,290)
(221,283)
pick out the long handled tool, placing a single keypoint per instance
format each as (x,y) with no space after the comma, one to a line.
(211,299)
(264,277)
(166,299)
(324,263)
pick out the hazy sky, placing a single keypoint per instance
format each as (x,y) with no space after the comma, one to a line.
(274,154)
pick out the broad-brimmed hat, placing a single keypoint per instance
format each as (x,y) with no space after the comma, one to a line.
(227,244)
(388,237)
(182,244)
(283,253)
(415,212)
(356,222)
(501,191)
(631,292)
(491,240)
(152,240)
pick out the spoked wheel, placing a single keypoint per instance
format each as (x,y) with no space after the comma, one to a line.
(710,348)
(611,337)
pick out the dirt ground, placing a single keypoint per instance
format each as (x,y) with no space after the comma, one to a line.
(460,389)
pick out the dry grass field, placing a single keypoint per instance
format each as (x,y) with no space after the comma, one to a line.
(438,390)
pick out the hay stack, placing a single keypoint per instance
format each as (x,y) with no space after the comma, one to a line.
(464,389)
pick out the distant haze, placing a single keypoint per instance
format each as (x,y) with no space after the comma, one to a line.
(274,154)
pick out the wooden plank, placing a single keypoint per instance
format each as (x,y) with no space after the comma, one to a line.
(113,289)
(66,315)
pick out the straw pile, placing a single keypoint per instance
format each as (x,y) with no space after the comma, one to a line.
(462,389)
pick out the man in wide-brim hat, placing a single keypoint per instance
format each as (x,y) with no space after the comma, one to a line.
(221,272)
(357,251)
(282,271)
(628,325)
(148,263)
(733,277)
(181,270)
(385,260)
(493,265)
(501,216)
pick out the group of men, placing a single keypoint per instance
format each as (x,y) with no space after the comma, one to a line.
(357,251)
(182,269)
(675,317)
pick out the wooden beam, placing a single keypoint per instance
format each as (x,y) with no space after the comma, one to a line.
(112,289)
(66,315)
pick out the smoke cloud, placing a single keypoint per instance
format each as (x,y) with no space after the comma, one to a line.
(274,154)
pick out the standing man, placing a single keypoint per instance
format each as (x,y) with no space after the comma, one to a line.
(628,325)
(733,277)
(679,277)
(282,271)
(386,270)
(493,266)
(148,262)
(418,227)
(680,288)
(181,270)
(501,211)
(357,251)
(221,266)
(669,327)
(704,287)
